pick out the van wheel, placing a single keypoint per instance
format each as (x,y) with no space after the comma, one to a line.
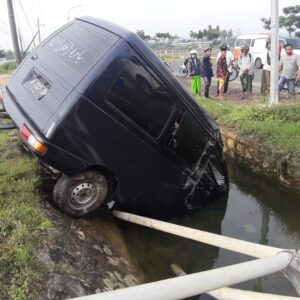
(81,194)
(258,63)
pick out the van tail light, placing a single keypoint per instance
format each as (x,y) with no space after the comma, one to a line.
(32,141)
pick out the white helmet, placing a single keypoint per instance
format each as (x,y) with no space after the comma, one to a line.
(193,51)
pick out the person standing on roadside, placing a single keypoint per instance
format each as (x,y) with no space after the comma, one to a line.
(222,72)
(266,73)
(229,61)
(289,66)
(207,70)
(246,65)
(195,72)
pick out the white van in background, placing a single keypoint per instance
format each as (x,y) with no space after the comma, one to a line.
(257,45)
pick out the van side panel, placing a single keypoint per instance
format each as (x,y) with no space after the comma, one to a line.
(103,141)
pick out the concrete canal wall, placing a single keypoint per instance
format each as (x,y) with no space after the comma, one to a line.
(284,168)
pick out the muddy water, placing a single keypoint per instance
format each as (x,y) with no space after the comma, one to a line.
(256,210)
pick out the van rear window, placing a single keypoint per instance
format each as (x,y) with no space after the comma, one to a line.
(79,44)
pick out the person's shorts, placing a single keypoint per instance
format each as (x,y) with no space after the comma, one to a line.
(291,83)
(221,83)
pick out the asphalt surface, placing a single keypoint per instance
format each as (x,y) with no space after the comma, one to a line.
(257,72)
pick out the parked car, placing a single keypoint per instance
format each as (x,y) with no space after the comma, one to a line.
(110,121)
(257,44)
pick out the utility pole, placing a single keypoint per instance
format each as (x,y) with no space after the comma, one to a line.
(13,30)
(21,42)
(274,53)
(39,29)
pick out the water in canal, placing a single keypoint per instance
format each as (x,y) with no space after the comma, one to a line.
(256,210)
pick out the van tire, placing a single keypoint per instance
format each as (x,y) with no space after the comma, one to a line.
(81,194)
(258,63)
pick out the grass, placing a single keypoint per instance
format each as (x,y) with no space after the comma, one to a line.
(171,58)
(8,67)
(23,224)
(277,127)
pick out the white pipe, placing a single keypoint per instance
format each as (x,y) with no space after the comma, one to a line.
(226,293)
(198,283)
(224,242)
(236,294)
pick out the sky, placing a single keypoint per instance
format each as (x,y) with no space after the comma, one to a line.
(175,17)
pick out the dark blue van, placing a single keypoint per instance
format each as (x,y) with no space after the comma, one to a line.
(106,116)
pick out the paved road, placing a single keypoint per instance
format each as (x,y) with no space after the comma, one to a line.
(257,72)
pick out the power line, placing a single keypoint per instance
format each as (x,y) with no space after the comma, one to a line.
(25,15)
(41,11)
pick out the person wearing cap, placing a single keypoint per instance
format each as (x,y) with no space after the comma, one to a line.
(194,71)
(246,65)
(207,73)
(229,61)
(222,71)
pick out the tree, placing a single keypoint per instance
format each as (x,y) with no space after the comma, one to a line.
(223,35)
(267,23)
(211,33)
(163,36)
(10,54)
(142,35)
(290,21)
(196,35)
(2,53)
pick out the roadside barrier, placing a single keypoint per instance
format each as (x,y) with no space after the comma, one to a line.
(270,260)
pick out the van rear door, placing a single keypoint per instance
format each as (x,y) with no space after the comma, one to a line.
(52,71)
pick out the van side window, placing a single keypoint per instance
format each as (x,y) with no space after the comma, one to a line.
(140,97)
(252,43)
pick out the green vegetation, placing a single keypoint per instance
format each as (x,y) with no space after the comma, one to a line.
(171,58)
(22,221)
(290,21)
(277,127)
(8,67)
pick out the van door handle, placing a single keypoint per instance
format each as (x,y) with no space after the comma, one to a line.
(34,56)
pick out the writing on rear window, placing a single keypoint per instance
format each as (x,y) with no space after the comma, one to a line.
(69,52)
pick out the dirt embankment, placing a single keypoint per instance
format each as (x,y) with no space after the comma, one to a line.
(83,256)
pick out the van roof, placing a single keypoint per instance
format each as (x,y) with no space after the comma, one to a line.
(253,36)
(114,28)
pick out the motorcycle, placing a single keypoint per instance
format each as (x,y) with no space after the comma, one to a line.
(183,70)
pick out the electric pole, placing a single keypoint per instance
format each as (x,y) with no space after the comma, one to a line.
(13,30)
(274,53)
(39,29)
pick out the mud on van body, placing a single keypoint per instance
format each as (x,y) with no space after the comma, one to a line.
(104,114)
